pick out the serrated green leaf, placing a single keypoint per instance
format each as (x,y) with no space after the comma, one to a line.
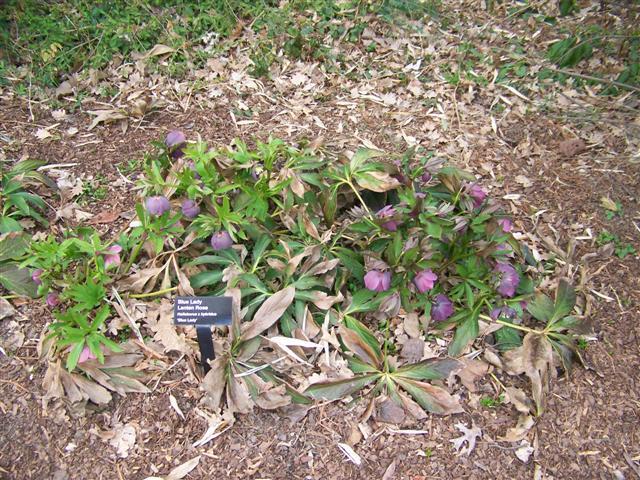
(541,308)
(74,355)
(565,300)
(17,280)
(466,333)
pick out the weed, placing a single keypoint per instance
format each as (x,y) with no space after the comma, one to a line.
(491,402)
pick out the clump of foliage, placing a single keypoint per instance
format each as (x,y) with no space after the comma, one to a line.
(16,199)
(58,38)
(308,244)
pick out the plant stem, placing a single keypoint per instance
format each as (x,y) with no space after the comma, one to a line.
(355,190)
(8,297)
(153,294)
(513,325)
(135,252)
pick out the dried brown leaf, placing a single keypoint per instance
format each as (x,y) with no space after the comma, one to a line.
(269,313)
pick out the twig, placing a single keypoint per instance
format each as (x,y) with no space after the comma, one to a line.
(632,464)
(626,86)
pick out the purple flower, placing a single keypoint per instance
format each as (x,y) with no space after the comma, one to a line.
(157,205)
(174,139)
(386,212)
(53,299)
(221,240)
(506,224)
(192,167)
(509,279)
(505,311)
(112,256)
(477,193)
(377,281)
(426,177)
(442,308)
(425,280)
(85,355)
(190,209)
(35,276)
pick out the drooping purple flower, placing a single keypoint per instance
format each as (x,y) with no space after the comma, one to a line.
(425,280)
(190,209)
(478,194)
(175,138)
(387,212)
(112,256)
(442,308)
(504,311)
(35,276)
(192,167)
(426,177)
(377,281)
(221,240)
(85,355)
(157,205)
(53,299)
(509,280)
(506,224)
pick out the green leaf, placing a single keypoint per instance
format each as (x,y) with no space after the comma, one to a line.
(361,156)
(465,334)
(358,366)
(541,308)
(13,245)
(74,355)
(88,295)
(565,300)
(340,388)
(205,279)
(507,338)
(351,260)
(429,369)
(366,336)
(362,301)
(210,260)
(17,280)
(366,349)
(8,224)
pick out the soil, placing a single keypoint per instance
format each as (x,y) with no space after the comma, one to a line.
(589,430)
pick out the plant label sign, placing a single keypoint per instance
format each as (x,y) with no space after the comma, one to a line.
(194,311)
(203,313)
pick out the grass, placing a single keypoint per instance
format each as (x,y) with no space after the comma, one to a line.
(53,39)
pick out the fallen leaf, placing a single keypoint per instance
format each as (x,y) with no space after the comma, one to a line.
(268,313)
(174,404)
(123,440)
(524,452)
(519,399)
(389,411)
(216,425)
(520,431)
(214,382)
(412,325)
(390,471)
(524,181)
(413,350)
(6,309)
(472,371)
(158,50)
(350,453)
(469,436)
(108,216)
(105,116)
(572,147)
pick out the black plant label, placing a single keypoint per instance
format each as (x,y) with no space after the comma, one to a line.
(202,311)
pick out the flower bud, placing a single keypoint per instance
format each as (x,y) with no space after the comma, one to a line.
(157,205)
(112,256)
(35,276)
(174,139)
(221,240)
(53,299)
(190,209)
